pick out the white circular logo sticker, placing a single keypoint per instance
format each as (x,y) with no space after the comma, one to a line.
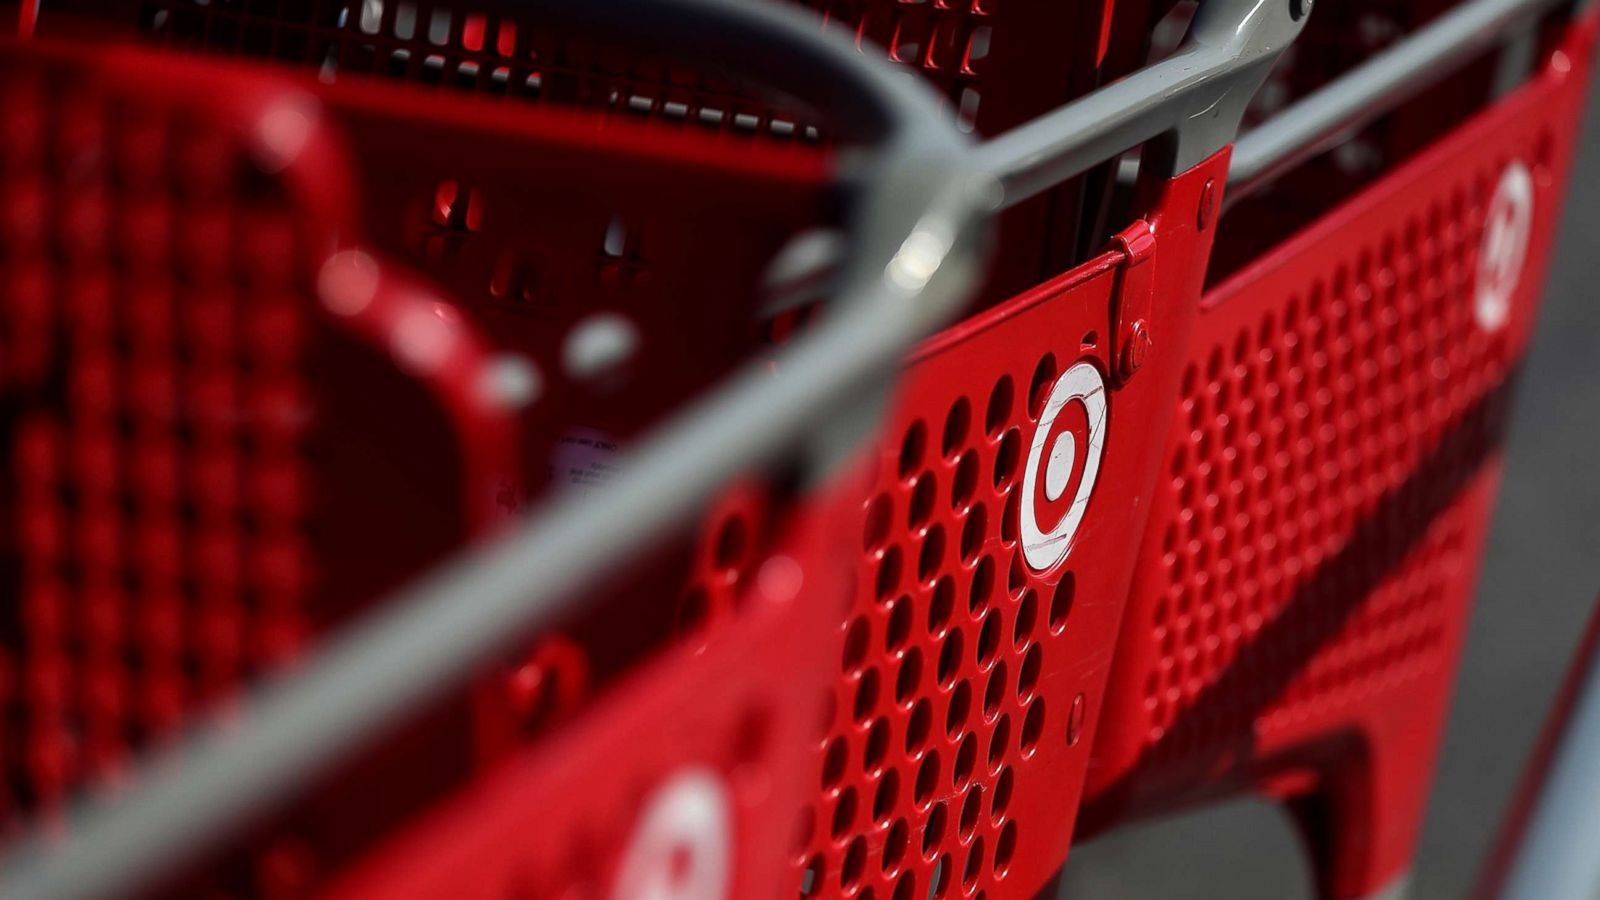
(1066,446)
(1506,232)
(681,848)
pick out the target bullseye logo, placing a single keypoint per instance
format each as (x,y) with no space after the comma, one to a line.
(1506,233)
(1066,449)
(682,848)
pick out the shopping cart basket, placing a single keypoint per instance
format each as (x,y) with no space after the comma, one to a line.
(1192,105)
(995,67)
(949,719)
(197,436)
(1303,587)
(339,814)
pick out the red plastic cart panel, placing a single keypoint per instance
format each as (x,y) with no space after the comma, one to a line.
(1304,583)
(211,412)
(680,782)
(993,547)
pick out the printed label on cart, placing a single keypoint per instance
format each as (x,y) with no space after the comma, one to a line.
(1506,232)
(585,459)
(1066,450)
(682,847)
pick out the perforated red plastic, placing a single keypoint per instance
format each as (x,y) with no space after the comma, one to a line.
(1305,580)
(680,782)
(995,545)
(627,223)
(201,432)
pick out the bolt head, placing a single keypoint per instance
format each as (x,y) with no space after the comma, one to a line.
(1135,348)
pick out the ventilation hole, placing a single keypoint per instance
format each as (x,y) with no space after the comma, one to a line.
(855,860)
(955,717)
(731,544)
(1001,801)
(884,799)
(880,513)
(844,812)
(894,850)
(995,691)
(1061,602)
(909,677)
(974,867)
(615,243)
(1005,848)
(927,779)
(889,573)
(918,727)
(941,605)
(1032,727)
(833,762)
(933,836)
(922,497)
(965,483)
(811,879)
(999,742)
(456,208)
(982,587)
(855,644)
(966,761)
(1044,376)
(998,415)
(932,554)
(866,695)
(1028,675)
(877,745)
(973,532)
(1027,617)
(988,639)
(956,424)
(1009,518)
(970,810)
(906,887)
(949,659)
(899,630)
(1006,458)
(911,449)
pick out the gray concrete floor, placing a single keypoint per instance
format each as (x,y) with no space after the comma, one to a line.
(1538,585)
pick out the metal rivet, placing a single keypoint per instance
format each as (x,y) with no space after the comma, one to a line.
(1135,349)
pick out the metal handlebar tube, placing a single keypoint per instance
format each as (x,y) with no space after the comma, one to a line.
(1316,123)
(1198,96)
(914,224)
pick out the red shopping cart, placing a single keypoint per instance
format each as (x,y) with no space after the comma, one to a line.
(963,701)
(573,375)
(1304,581)
(1115,294)
(193,417)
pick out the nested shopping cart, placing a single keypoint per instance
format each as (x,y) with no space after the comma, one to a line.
(1305,577)
(1109,310)
(684,298)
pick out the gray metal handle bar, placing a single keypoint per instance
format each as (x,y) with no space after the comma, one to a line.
(1316,123)
(920,212)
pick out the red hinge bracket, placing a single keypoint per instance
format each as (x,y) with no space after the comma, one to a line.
(1131,339)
